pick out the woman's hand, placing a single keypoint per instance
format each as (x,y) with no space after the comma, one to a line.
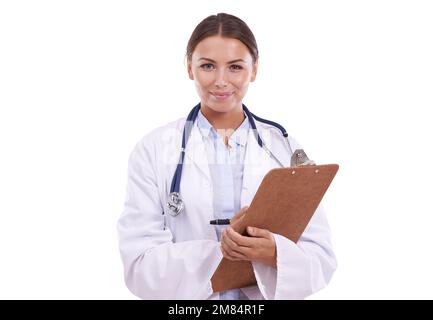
(260,246)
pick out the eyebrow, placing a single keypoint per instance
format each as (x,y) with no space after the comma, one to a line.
(233,61)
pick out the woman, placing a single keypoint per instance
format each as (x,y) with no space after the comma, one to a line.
(168,247)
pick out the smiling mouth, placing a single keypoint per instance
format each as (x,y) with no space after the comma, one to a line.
(221,95)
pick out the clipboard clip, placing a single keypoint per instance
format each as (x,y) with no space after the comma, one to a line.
(300,158)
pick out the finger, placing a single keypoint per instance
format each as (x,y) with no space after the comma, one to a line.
(259,233)
(229,243)
(261,249)
(234,257)
(231,255)
(239,239)
(246,252)
(232,248)
(225,254)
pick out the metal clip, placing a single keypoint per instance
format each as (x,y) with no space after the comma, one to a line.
(299,158)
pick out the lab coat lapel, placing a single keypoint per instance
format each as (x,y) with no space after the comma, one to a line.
(195,152)
(196,188)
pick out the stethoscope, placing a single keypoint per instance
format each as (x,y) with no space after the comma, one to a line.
(175,203)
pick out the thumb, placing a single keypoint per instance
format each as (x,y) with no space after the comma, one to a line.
(257,232)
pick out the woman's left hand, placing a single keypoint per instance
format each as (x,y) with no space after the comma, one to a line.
(260,246)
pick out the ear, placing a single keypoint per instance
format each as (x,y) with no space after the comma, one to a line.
(254,73)
(189,67)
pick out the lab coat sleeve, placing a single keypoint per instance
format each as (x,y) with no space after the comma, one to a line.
(302,268)
(155,267)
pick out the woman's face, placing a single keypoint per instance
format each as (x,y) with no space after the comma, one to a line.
(222,69)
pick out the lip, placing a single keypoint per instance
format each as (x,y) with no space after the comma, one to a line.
(221,95)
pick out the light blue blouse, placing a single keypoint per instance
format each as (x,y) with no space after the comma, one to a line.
(226,165)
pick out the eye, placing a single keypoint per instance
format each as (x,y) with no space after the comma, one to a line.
(207,66)
(236,67)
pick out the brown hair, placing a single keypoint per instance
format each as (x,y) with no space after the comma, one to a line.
(225,25)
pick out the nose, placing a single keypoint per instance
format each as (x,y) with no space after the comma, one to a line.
(221,79)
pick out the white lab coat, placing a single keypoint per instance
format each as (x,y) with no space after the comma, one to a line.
(169,257)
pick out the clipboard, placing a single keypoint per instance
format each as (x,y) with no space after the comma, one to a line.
(284,204)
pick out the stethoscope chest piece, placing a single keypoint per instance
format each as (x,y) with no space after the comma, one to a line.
(174,204)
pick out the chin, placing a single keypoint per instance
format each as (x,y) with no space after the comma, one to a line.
(222,106)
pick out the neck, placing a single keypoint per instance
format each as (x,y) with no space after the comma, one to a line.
(224,120)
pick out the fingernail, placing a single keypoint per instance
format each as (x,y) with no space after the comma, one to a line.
(250,229)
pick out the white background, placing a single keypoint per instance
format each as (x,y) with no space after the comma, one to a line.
(82,81)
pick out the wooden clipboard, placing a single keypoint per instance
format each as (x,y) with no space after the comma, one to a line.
(284,204)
